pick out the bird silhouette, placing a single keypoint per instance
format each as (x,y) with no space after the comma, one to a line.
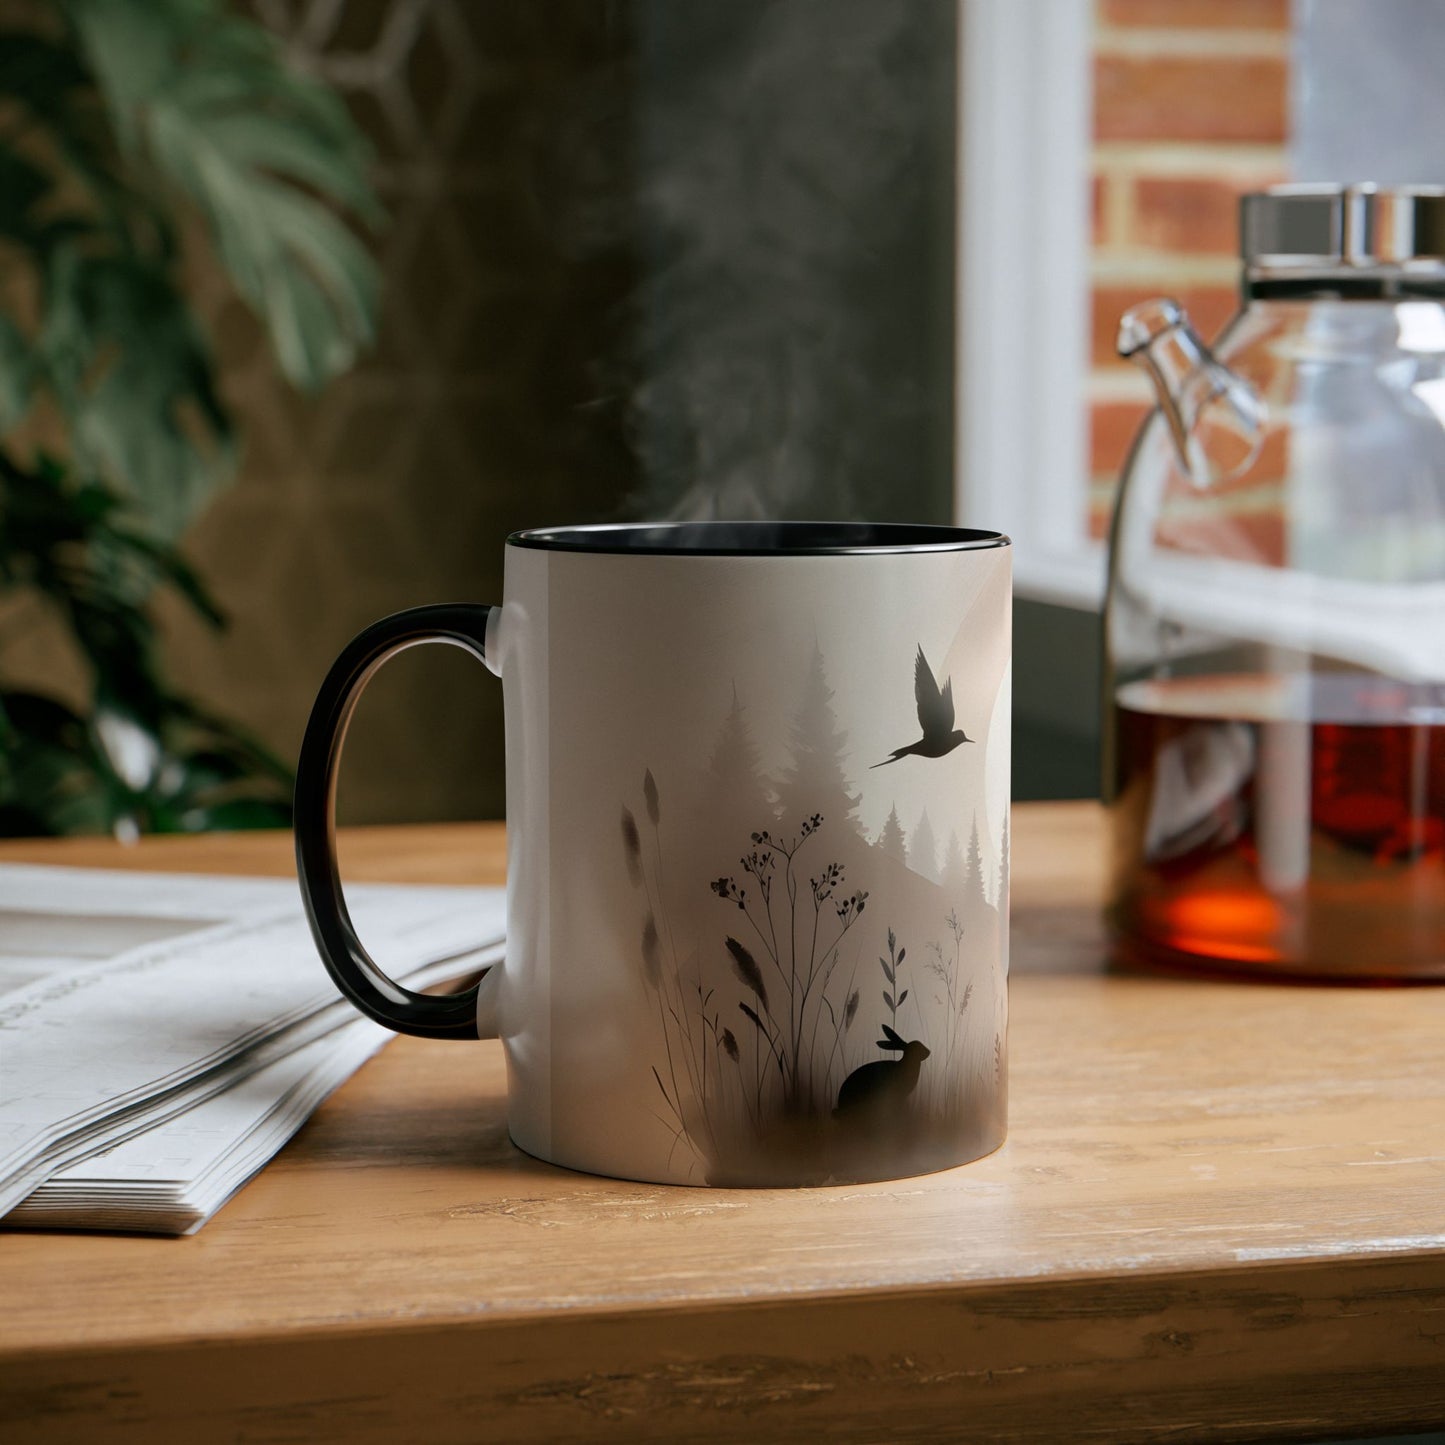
(935,717)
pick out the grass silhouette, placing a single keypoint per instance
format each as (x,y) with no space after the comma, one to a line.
(759,1027)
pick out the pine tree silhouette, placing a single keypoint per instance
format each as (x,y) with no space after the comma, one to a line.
(815,782)
(735,755)
(955,874)
(738,797)
(922,849)
(977,899)
(891,840)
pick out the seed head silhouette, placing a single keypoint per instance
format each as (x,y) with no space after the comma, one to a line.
(935,717)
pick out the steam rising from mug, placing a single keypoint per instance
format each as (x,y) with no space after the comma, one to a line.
(788,344)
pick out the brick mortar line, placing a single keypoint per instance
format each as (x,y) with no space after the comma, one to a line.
(1258,501)
(1205,169)
(1138,266)
(1120,213)
(1119,386)
(1189,157)
(1266,499)
(1122,263)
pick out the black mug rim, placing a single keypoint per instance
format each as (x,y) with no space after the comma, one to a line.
(756,539)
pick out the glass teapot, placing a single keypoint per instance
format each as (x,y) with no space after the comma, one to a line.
(1275,623)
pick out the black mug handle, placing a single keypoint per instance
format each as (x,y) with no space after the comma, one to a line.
(356,974)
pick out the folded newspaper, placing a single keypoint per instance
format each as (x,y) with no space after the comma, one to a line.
(161,1036)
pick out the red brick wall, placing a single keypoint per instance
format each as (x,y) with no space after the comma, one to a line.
(1190,110)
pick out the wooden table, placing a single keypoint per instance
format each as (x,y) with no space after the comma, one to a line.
(1221,1213)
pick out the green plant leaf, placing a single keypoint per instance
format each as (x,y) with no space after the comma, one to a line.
(169,566)
(111,119)
(61,773)
(22,187)
(37,72)
(71,545)
(17,370)
(134,377)
(237,813)
(49,783)
(265,153)
(225,736)
(55,98)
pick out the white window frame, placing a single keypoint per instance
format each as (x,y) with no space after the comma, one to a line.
(1021,441)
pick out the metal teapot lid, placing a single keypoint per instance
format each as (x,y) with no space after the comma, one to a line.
(1328,228)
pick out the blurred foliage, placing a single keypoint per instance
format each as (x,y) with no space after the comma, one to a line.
(123,123)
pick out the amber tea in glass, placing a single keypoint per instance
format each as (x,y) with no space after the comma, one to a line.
(1286,824)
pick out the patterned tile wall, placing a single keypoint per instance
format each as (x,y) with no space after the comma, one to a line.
(478,413)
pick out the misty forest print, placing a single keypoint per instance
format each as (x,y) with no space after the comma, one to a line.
(826,1006)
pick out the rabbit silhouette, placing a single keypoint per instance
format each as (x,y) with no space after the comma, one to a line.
(875,1088)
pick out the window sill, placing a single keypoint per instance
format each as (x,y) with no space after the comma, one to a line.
(1072,578)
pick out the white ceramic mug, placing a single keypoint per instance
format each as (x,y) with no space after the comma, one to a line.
(757,847)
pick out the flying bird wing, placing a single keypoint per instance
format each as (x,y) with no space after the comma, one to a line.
(935,707)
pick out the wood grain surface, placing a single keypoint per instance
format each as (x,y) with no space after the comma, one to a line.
(1220,1214)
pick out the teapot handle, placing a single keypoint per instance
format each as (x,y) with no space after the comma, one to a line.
(1216,418)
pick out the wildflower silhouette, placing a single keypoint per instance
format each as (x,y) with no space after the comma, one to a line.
(891,966)
(776,911)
